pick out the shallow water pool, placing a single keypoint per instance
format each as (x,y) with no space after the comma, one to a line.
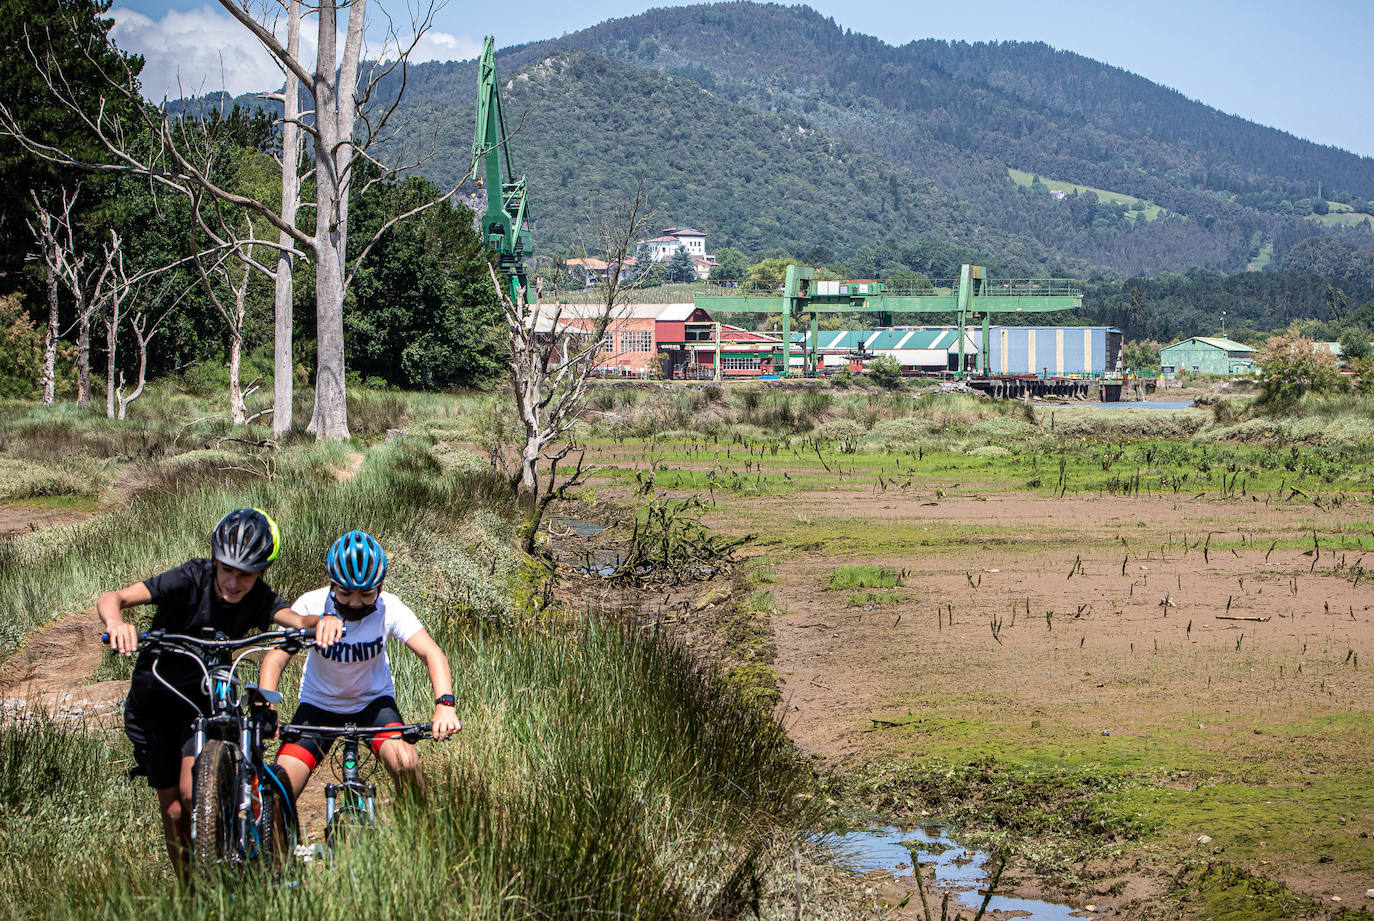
(880,847)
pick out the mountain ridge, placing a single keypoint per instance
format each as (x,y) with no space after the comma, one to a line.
(938,124)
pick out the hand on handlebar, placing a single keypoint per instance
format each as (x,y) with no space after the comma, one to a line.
(445,722)
(123,638)
(328,631)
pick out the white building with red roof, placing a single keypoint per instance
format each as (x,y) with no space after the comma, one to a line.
(662,247)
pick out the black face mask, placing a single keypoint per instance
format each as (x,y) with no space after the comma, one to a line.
(353,611)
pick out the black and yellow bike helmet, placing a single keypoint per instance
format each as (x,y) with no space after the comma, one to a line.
(245,539)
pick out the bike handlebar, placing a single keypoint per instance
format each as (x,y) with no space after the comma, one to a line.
(285,638)
(411,732)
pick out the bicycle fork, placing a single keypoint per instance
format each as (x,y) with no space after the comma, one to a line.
(331,799)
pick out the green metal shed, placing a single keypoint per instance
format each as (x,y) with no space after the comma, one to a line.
(1206,355)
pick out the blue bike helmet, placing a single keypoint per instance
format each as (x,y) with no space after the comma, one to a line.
(356,562)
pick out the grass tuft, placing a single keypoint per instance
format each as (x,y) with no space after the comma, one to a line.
(847,578)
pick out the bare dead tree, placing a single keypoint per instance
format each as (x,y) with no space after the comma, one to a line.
(120,297)
(283,358)
(81,274)
(142,336)
(346,123)
(231,239)
(48,229)
(554,350)
(111,290)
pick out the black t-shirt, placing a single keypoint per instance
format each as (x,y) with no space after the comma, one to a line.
(186,603)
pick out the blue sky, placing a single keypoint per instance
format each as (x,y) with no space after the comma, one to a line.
(1304,67)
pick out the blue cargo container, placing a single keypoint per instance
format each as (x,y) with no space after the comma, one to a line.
(1046,351)
(1054,351)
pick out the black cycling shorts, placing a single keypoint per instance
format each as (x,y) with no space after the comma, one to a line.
(159,745)
(312,749)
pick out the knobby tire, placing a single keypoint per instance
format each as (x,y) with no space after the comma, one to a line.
(275,831)
(345,821)
(214,807)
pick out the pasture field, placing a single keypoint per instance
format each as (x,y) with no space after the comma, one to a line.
(1149,213)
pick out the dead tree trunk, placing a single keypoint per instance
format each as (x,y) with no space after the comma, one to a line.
(110,290)
(142,336)
(50,344)
(46,232)
(335,113)
(283,358)
(83,358)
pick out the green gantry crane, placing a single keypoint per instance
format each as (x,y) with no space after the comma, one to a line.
(503,224)
(975,297)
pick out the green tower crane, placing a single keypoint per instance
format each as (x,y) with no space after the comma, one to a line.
(974,297)
(503,224)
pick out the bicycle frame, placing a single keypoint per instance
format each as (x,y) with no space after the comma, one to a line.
(235,718)
(357,795)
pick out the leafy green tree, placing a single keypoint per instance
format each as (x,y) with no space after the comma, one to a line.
(1142,355)
(72,35)
(770,272)
(655,274)
(681,268)
(885,371)
(1291,365)
(731,265)
(21,351)
(421,313)
(1355,343)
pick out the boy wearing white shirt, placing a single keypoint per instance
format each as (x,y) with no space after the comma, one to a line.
(350,682)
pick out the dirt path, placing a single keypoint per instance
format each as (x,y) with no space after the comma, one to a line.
(20,518)
(54,669)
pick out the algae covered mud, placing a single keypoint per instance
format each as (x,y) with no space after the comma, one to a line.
(1123,645)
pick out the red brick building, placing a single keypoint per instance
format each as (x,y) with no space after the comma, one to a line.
(674,340)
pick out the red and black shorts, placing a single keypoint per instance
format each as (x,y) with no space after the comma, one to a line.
(313,749)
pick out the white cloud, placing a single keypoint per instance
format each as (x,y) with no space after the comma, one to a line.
(197,51)
(436,46)
(206,50)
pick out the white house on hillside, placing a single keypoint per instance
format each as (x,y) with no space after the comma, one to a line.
(662,248)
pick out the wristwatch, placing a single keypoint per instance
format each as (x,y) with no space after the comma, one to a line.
(444,700)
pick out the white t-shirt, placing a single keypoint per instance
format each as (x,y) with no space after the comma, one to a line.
(354,671)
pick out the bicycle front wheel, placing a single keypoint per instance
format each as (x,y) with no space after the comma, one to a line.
(345,822)
(214,806)
(276,830)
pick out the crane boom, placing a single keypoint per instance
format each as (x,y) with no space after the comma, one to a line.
(503,224)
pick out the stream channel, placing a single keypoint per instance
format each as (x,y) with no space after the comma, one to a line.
(957,868)
(880,847)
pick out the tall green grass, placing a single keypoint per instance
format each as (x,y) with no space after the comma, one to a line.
(599,773)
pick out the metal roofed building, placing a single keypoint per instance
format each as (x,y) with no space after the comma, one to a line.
(1206,355)
(1051,351)
(1056,351)
(921,349)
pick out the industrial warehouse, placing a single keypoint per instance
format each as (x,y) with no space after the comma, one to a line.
(683,341)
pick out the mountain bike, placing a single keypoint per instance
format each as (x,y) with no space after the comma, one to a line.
(352,802)
(240,812)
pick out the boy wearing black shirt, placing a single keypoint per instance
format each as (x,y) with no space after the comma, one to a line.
(225,594)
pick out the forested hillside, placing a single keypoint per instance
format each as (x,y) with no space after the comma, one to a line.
(960,114)
(589,128)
